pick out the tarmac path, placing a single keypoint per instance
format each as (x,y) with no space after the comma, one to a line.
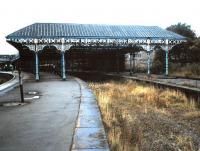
(45,124)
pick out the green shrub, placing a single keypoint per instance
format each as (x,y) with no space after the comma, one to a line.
(185,70)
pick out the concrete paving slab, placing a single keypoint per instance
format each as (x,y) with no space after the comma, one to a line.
(89,121)
(88,94)
(86,111)
(91,104)
(90,100)
(89,133)
(90,138)
(90,150)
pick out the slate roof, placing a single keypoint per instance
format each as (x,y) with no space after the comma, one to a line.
(69,30)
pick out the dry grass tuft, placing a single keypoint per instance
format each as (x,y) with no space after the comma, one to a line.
(139,117)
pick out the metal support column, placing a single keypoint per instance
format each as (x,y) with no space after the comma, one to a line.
(63,65)
(36,60)
(63,59)
(148,55)
(166,58)
(148,64)
(36,66)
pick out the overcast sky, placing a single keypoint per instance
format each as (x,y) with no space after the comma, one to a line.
(16,14)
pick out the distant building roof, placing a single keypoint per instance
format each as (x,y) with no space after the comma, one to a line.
(6,58)
(68,30)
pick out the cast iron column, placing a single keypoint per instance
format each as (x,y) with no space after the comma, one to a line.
(148,60)
(63,65)
(36,66)
(166,58)
(36,61)
(63,60)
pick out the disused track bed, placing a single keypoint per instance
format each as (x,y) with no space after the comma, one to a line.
(190,92)
(193,93)
(4,77)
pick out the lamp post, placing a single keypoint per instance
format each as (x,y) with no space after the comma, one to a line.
(21,85)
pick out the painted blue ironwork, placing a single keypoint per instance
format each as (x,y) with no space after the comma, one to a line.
(59,30)
(65,36)
(166,58)
(148,55)
(148,63)
(36,66)
(63,48)
(63,65)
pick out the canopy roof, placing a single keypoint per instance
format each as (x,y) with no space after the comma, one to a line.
(68,30)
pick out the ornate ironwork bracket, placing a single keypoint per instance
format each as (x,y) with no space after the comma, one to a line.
(62,47)
(68,42)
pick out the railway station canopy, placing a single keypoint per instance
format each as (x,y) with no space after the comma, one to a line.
(64,36)
(85,34)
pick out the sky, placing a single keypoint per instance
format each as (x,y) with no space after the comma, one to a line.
(16,14)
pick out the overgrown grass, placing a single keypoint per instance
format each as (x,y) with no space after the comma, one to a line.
(186,70)
(140,117)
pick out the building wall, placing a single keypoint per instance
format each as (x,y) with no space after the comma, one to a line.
(139,62)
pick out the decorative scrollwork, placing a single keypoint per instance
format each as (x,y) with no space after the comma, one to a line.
(34,47)
(66,44)
(40,47)
(167,47)
(31,47)
(147,47)
(62,47)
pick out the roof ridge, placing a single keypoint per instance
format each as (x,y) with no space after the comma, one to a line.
(96,24)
